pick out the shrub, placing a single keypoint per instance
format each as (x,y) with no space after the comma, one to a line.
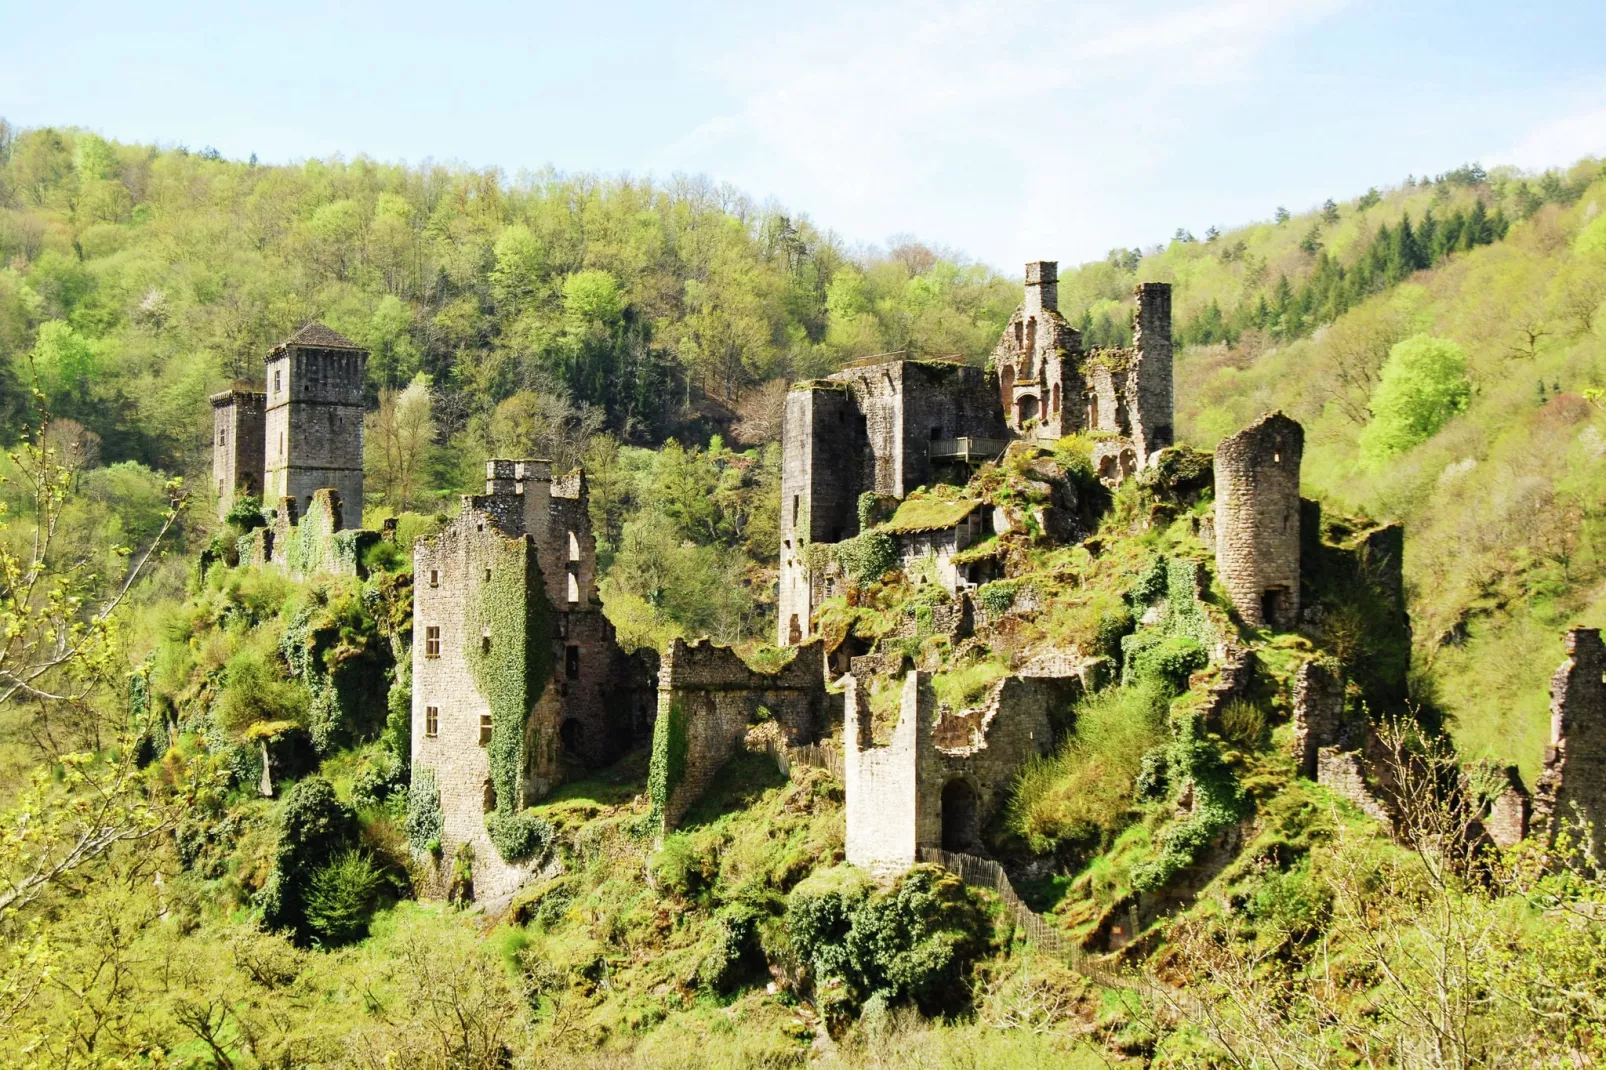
(1218,800)
(680,868)
(376,782)
(1170,661)
(866,558)
(913,942)
(313,826)
(340,898)
(737,953)
(999,596)
(1244,723)
(517,836)
(255,691)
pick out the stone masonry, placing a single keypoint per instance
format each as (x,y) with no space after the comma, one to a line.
(711,695)
(1318,713)
(530,535)
(238,427)
(945,774)
(1037,361)
(1572,784)
(314,417)
(1257,520)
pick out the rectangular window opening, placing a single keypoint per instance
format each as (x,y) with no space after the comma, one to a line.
(574,588)
(434,577)
(485,729)
(432,721)
(432,641)
(571,663)
(485,643)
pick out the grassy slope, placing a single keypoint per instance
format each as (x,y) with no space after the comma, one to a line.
(1502,506)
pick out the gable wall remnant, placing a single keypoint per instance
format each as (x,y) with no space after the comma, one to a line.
(238,427)
(1318,713)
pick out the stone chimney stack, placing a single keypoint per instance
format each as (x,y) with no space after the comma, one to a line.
(1043,288)
(1151,328)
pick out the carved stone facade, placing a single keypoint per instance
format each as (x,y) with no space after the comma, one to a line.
(1572,784)
(238,427)
(506,591)
(1257,522)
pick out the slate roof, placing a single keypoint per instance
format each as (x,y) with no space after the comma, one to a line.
(317,336)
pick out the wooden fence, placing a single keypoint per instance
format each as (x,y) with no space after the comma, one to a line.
(827,758)
(985,873)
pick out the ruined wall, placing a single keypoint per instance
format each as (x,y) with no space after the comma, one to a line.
(899,794)
(314,420)
(1036,361)
(1343,772)
(238,429)
(311,543)
(1572,783)
(1506,822)
(1149,384)
(1258,520)
(1318,713)
(707,699)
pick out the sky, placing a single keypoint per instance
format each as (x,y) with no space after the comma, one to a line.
(1000,132)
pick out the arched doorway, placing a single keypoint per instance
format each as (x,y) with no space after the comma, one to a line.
(961,816)
(1026,409)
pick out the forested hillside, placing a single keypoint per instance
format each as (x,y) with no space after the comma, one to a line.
(591,318)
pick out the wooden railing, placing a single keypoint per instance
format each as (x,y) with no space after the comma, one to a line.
(966,449)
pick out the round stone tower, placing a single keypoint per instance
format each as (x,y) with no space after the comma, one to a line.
(1257,520)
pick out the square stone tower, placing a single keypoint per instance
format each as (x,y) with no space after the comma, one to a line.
(314,418)
(237,435)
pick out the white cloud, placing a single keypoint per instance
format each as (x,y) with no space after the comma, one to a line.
(998,128)
(1559,141)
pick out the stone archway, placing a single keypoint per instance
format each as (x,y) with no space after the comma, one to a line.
(1025,409)
(961,816)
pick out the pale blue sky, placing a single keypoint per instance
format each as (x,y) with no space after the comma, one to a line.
(1003,131)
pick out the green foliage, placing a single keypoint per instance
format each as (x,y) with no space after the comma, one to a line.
(314,826)
(341,896)
(1169,660)
(1079,795)
(736,954)
(1178,644)
(998,597)
(914,942)
(1423,384)
(518,836)
(866,558)
(1243,723)
(425,822)
(668,763)
(1218,801)
(255,690)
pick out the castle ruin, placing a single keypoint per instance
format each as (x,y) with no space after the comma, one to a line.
(1257,529)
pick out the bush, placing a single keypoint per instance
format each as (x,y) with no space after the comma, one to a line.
(736,954)
(341,896)
(517,836)
(255,691)
(999,596)
(376,782)
(314,825)
(1243,723)
(1170,661)
(866,558)
(913,942)
(1218,800)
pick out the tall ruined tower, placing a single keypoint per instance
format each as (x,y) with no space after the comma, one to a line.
(1257,520)
(237,429)
(1150,383)
(314,418)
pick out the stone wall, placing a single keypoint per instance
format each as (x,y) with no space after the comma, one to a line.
(1036,362)
(238,427)
(1572,784)
(710,696)
(1258,520)
(1343,771)
(823,447)
(314,419)
(944,775)
(1506,821)
(1318,713)
(310,544)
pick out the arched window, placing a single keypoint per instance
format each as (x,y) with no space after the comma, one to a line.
(1056,409)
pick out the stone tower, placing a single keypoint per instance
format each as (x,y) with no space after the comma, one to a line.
(237,435)
(314,418)
(1151,370)
(1257,520)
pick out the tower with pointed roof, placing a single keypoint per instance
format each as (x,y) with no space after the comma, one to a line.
(314,419)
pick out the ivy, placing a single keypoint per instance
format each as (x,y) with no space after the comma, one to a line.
(1179,642)
(424,819)
(999,596)
(511,607)
(668,765)
(519,835)
(866,558)
(1218,801)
